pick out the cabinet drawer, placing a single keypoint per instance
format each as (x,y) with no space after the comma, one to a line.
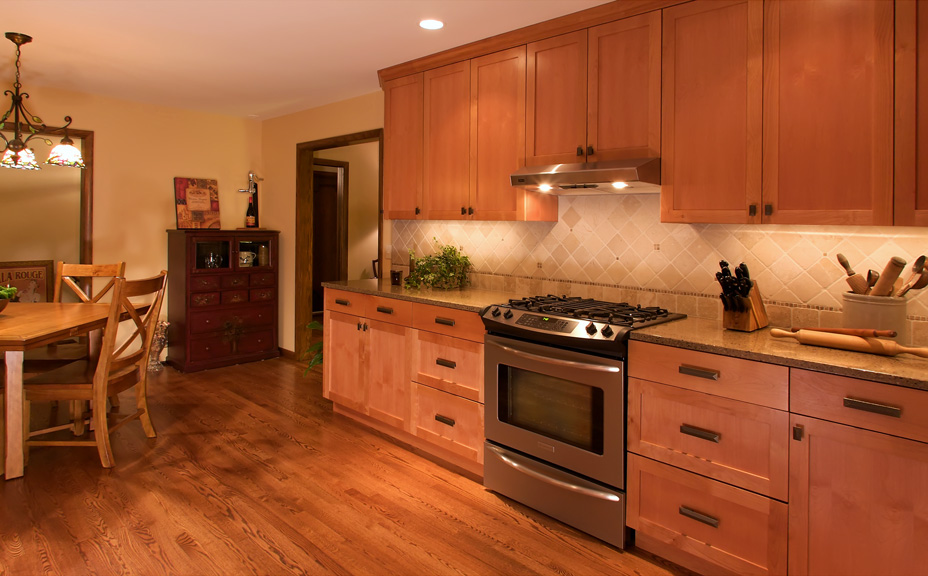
(450,364)
(234,296)
(347,302)
(390,310)
(872,405)
(204,299)
(248,318)
(218,346)
(735,442)
(738,531)
(203,282)
(262,279)
(450,422)
(448,321)
(735,378)
(262,294)
(235,281)
(260,341)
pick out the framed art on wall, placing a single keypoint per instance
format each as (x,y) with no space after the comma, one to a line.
(35,279)
(197,203)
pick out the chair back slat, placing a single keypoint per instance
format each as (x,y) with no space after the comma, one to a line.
(69,275)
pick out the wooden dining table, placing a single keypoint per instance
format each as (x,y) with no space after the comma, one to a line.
(27,326)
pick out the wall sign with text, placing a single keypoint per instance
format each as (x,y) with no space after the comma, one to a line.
(197,201)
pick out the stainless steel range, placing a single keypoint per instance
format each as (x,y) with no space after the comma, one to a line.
(555,406)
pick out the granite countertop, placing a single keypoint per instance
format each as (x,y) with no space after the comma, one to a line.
(696,334)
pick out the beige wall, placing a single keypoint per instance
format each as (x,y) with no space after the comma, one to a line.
(278,192)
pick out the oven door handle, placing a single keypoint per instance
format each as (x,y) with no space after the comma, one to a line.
(588,366)
(525,466)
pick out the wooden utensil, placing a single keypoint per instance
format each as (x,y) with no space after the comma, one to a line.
(920,283)
(884,286)
(872,277)
(857,282)
(853,332)
(852,343)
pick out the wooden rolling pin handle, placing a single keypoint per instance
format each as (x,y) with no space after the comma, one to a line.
(884,286)
(852,343)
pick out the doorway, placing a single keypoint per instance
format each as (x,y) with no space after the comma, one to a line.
(307,157)
(330,225)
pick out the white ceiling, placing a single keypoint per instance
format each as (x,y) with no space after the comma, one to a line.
(250,58)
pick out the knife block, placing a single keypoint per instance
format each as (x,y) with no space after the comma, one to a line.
(754,316)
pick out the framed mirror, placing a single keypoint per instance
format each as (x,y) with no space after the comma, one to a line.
(48,213)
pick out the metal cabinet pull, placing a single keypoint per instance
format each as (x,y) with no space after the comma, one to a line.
(359,325)
(590,151)
(873,407)
(579,150)
(446,363)
(700,433)
(384,310)
(463,211)
(444,420)
(699,517)
(768,209)
(444,321)
(364,327)
(699,372)
(341,302)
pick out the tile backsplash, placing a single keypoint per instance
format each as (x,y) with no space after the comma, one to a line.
(616,247)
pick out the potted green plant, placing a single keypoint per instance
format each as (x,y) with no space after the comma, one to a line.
(7,293)
(447,269)
(314,352)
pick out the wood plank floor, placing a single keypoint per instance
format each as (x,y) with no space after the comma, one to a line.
(252,473)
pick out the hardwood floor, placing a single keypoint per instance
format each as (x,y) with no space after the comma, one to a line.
(252,473)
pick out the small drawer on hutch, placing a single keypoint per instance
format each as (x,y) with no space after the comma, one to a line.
(260,341)
(390,310)
(262,294)
(448,321)
(450,422)
(263,279)
(235,281)
(882,407)
(673,511)
(234,296)
(205,299)
(204,282)
(219,346)
(347,302)
(209,348)
(450,364)
(735,442)
(251,317)
(735,378)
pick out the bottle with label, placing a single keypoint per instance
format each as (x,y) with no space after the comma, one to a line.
(250,214)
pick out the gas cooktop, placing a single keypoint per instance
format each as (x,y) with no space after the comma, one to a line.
(573,322)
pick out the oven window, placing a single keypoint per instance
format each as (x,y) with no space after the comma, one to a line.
(560,409)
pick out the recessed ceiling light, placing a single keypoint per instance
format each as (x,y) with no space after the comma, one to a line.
(431,24)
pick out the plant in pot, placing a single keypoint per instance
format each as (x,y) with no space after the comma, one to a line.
(447,269)
(7,293)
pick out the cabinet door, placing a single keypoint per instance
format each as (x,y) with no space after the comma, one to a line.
(828,112)
(858,503)
(447,142)
(402,148)
(388,373)
(911,121)
(344,369)
(712,94)
(624,92)
(555,126)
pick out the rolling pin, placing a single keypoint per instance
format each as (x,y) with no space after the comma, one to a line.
(852,343)
(884,286)
(853,331)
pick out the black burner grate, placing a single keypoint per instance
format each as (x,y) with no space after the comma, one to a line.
(620,313)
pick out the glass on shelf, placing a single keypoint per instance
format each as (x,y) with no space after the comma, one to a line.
(212,254)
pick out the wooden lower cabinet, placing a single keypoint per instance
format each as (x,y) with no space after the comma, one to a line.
(702,523)
(450,422)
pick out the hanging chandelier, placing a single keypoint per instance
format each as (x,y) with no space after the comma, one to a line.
(26,126)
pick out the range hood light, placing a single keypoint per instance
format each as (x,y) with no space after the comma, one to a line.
(544,188)
(627,176)
(620,185)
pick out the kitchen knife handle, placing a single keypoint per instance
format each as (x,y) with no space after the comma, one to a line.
(699,372)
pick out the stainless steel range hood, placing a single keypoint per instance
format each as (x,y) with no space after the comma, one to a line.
(632,176)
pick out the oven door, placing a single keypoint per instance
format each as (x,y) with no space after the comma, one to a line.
(562,407)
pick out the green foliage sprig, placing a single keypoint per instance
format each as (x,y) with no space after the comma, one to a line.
(7,292)
(314,352)
(446,269)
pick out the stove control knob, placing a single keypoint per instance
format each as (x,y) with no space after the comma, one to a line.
(495,312)
(591,329)
(607,331)
(507,314)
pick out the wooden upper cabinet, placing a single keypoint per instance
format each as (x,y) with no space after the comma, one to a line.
(555,127)
(497,141)
(624,92)
(447,142)
(402,148)
(828,112)
(911,122)
(595,94)
(712,99)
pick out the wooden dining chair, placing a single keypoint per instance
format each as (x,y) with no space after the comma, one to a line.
(121,366)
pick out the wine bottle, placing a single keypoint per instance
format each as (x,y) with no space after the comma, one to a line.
(250,213)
